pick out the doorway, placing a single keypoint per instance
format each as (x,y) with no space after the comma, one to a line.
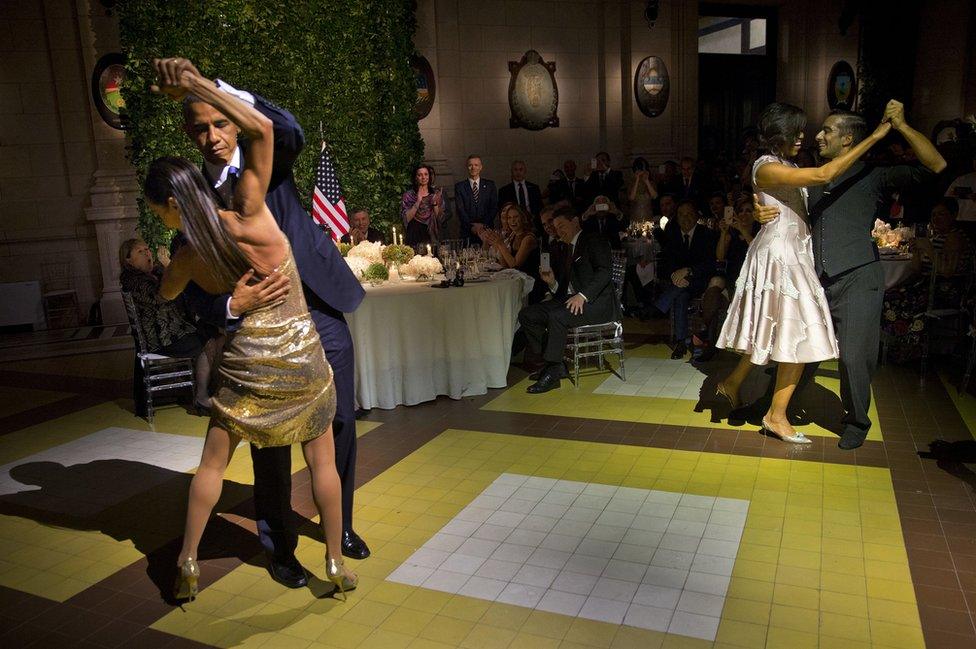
(736,74)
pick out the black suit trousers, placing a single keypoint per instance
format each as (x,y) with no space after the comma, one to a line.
(272,465)
(546,325)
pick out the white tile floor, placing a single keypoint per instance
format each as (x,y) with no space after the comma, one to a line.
(651,559)
(656,377)
(111,463)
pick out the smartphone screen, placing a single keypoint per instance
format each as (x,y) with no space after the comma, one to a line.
(544,262)
(728,214)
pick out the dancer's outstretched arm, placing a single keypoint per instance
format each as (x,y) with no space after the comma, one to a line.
(779,175)
(924,150)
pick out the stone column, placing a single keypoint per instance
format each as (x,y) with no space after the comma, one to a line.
(113,208)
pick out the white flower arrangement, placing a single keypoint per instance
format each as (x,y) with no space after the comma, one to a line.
(357,265)
(368,250)
(422,266)
(887,237)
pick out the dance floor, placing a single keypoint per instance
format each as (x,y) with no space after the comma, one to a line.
(613,515)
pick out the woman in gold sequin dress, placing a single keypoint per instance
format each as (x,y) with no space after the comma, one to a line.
(274,384)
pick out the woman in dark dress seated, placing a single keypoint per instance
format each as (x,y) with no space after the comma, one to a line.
(167,326)
(518,247)
(422,208)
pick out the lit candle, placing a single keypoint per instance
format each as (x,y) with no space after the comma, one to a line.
(394,235)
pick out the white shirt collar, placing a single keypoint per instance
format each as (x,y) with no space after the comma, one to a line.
(474,181)
(690,233)
(573,242)
(219,172)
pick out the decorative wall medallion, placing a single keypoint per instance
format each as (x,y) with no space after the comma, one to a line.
(842,86)
(426,86)
(652,86)
(532,93)
(106,88)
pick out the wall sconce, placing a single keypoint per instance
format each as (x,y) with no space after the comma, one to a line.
(650,11)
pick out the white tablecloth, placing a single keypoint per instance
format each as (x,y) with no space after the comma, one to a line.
(414,343)
(896,269)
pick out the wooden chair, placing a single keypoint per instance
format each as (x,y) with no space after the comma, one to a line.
(599,340)
(159,373)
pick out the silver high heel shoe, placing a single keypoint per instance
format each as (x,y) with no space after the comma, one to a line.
(795,438)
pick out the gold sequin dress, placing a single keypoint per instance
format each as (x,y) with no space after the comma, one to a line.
(274,386)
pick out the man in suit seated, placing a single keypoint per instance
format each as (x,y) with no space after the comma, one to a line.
(361,230)
(477,201)
(603,180)
(688,263)
(521,192)
(583,294)
(549,241)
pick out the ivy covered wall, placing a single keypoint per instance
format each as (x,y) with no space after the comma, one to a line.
(343,64)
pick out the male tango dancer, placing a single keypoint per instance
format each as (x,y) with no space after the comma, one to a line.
(330,290)
(846,257)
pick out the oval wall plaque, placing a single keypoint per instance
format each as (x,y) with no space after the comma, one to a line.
(652,86)
(842,86)
(426,86)
(532,93)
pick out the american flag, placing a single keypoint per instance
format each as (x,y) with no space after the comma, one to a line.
(328,205)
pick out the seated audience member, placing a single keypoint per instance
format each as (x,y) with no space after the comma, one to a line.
(688,254)
(730,253)
(422,208)
(668,207)
(361,230)
(603,181)
(963,189)
(643,193)
(716,210)
(583,293)
(603,217)
(669,180)
(692,186)
(520,191)
(549,241)
(904,305)
(566,186)
(519,248)
(166,325)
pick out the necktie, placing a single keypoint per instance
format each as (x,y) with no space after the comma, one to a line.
(474,191)
(521,195)
(687,242)
(572,189)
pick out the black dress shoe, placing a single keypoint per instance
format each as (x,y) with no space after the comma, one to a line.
(850,440)
(549,380)
(679,351)
(560,371)
(287,571)
(353,546)
(707,354)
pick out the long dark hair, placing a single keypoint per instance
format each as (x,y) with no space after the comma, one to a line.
(430,181)
(178,178)
(779,125)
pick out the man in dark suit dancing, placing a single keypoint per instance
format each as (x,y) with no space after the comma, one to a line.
(330,290)
(476,199)
(521,192)
(583,294)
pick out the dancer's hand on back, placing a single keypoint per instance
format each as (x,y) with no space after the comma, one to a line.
(763,213)
(254,296)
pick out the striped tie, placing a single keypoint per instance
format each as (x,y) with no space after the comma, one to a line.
(475,192)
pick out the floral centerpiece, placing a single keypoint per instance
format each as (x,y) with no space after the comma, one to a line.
(422,267)
(397,254)
(888,237)
(344,248)
(376,273)
(357,265)
(368,250)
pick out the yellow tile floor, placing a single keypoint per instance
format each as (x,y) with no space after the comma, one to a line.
(570,401)
(821,563)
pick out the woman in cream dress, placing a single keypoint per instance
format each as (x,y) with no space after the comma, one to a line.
(779,311)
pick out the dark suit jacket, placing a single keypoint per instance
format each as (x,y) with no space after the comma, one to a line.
(842,213)
(590,274)
(573,191)
(700,258)
(608,224)
(372,234)
(696,191)
(485,211)
(609,186)
(507,195)
(324,272)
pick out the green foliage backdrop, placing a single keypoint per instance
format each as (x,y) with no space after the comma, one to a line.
(343,64)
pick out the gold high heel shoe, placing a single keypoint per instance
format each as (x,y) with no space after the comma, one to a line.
(186,583)
(334,571)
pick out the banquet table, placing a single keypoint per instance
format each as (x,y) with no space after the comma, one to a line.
(897,268)
(414,342)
